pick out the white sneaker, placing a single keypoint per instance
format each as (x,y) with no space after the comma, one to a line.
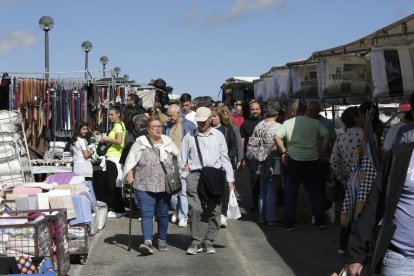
(112,214)
(153,219)
(174,218)
(182,223)
(223,221)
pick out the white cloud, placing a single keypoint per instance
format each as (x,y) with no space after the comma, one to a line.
(4,4)
(16,39)
(192,14)
(243,8)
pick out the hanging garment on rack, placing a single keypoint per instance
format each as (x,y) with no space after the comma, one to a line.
(11,94)
(61,109)
(55,116)
(48,105)
(41,116)
(4,91)
(68,111)
(73,111)
(118,95)
(85,105)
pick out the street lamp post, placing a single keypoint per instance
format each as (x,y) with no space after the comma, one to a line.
(104,61)
(46,24)
(86,47)
(117,70)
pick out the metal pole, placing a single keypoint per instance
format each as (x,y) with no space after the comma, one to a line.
(46,54)
(104,70)
(86,64)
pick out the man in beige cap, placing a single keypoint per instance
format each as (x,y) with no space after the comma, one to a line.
(213,149)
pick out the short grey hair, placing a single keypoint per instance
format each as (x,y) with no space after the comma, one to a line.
(272,109)
(314,103)
(140,119)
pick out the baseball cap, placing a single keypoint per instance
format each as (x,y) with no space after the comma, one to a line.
(202,114)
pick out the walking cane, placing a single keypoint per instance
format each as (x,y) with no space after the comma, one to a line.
(131,188)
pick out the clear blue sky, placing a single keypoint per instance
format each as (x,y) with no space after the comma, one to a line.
(193,45)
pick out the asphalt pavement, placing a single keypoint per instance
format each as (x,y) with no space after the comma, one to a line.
(243,248)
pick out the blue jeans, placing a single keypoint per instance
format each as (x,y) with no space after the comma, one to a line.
(153,204)
(179,201)
(268,198)
(308,172)
(396,264)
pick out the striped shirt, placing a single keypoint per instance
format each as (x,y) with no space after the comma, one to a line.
(213,149)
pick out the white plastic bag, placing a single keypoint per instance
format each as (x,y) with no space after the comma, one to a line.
(233,212)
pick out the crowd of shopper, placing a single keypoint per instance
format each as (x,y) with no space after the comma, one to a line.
(212,141)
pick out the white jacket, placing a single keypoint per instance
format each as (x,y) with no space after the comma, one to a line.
(167,147)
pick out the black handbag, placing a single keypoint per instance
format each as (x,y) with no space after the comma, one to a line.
(172,180)
(102,148)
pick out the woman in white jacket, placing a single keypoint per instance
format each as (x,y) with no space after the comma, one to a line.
(143,169)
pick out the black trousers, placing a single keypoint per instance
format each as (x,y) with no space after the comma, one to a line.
(254,181)
(104,185)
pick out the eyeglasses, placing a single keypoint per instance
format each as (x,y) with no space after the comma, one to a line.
(155,127)
(237,104)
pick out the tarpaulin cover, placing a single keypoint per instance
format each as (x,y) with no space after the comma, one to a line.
(148,98)
(392,71)
(304,81)
(269,89)
(281,83)
(343,76)
(259,90)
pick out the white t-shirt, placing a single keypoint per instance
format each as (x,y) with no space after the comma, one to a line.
(189,116)
(81,165)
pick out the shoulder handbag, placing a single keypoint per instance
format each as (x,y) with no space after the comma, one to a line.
(255,149)
(172,180)
(102,148)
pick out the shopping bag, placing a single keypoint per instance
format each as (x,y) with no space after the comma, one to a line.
(233,211)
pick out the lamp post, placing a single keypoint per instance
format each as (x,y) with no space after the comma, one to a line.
(117,70)
(46,24)
(126,78)
(86,47)
(104,61)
